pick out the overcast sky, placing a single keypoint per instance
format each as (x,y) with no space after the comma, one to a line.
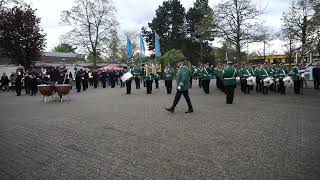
(133,14)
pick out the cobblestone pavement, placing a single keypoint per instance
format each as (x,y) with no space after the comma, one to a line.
(106,134)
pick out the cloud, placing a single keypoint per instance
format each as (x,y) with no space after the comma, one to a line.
(134,14)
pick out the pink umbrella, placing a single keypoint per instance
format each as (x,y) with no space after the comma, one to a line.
(109,68)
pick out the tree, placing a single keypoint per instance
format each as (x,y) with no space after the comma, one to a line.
(299,18)
(171,56)
(288,35)
(114,46)
(237,22)
(200,21)
(21,37)
(265,35)
(169,24)
(64,47)
(93,22)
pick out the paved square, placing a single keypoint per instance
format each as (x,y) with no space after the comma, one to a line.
(106,134)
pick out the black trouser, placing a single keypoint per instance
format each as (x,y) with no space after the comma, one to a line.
(243,84)
(113,83)
(316,83)
(104,83)
(18,90)
(34,89)
(178,96)
(78,85)
(281,87)
(91,82)
(84,84)
(205,85)
(274,86)
(200,83)
(190,81)
(121,84)
(229,90)
(246,87)
(149,86)
(144,83)
(137,80)
(259,85)
(27,86)
(128,85)
(157,83)
(168,84)
(265,89)
(297,86)
(95,83)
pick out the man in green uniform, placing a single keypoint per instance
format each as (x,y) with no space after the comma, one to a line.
(281,73)
(229,81)
(296,79)
(263,75)
(257,74)
(148,79)
(136,72)
(206,77)
(200,75)
(244,74)
(128,82)
(191,69)
(182,79)
(168,75)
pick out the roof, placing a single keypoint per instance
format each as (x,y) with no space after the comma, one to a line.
(60,54)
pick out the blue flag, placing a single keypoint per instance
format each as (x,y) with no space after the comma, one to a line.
(142,48)
(157,45)
(129,48)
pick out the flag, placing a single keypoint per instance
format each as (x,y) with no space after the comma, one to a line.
(142,48)
(157,45)
(129,48)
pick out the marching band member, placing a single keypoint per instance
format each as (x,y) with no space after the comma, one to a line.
(128,82)
(281,74)
(191,69)
(296,79)
(136,74)
(257,74)
(205,78)
(229,81)
(244,74)
(200,75)
(182,86)
(264,74)
(168,76)
(18,82)
(149,80)
(316,76)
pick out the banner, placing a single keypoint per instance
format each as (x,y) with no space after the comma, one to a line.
(142,47)
(129,48)
(157,45)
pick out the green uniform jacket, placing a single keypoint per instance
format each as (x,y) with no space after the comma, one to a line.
(183,78)
(136,72)
(295,75)
(257,73)
(244,73)
(148,77)
(281,73)
(205,74)
(229,76)
(263,73)
(168,75)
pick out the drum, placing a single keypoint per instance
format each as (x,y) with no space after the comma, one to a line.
(251,81)
(63,89)
(268,81)
(287,81)
(127,76)
(46,90)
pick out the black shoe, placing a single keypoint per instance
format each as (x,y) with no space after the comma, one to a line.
(189,111)
(170,110)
